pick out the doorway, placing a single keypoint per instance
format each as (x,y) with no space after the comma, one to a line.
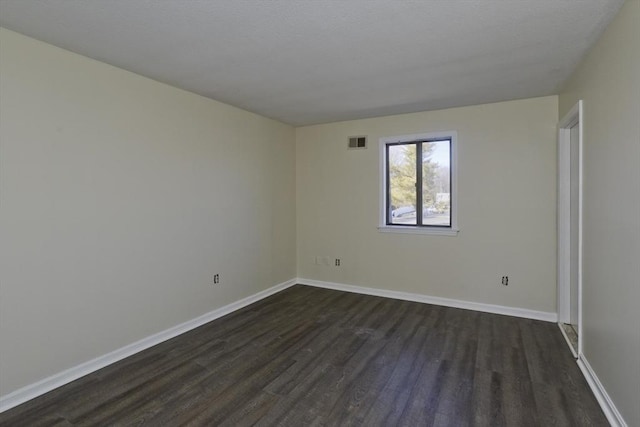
(570,227)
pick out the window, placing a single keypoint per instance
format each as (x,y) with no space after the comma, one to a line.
(418,184)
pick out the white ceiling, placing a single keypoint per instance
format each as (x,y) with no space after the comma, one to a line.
(315,61)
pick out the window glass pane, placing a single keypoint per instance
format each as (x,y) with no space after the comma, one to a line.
(436,183)
(402,184)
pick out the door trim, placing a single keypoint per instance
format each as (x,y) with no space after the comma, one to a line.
(573,117)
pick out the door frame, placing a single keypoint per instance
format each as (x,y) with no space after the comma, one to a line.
(572,118)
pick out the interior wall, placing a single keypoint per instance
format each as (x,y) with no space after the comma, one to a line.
(120,198)
(507,207)
(608,81)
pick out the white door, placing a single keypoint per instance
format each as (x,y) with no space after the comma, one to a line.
(570,227)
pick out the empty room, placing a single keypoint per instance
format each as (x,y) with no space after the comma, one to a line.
(320,212)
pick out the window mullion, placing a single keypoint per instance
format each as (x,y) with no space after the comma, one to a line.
(419,183)
(388,188)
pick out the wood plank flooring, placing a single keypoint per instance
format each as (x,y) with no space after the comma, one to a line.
(312,357)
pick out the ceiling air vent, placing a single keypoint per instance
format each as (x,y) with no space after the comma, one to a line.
(357,142)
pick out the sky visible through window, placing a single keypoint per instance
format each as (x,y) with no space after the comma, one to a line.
(440,154)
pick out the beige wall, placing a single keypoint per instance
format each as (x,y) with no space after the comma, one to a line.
(609,83)
(121,197)
(507,207)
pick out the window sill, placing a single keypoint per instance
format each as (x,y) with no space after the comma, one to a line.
(418,230)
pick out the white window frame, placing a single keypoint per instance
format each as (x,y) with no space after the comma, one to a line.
(415,229)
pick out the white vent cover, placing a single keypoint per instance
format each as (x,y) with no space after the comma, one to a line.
(357,142)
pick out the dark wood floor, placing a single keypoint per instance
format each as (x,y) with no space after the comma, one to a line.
(310,356)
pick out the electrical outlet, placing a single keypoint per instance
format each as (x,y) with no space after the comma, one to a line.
(337,262)
(505,280)
(216,279)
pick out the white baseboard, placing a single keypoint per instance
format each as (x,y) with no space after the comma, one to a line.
(468,305)
(36,389)
(610,411)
